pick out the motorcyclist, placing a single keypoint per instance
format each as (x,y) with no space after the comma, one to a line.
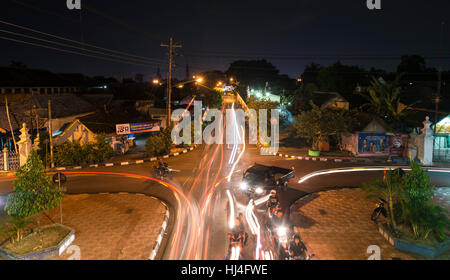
(242,228)
(272,202)
(161,164)
(297,248)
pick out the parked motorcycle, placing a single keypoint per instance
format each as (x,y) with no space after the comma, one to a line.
(379,210)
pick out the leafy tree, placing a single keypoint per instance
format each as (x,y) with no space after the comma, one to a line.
(319,123)
(302,98)
(34,191)
(412,64)
(419,213)
(342,78)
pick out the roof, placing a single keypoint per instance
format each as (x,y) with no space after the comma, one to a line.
(324,98)
(98,100)
(63,105)
(362,120)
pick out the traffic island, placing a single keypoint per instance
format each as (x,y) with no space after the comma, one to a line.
(430,251)
(52,242)
(113,226)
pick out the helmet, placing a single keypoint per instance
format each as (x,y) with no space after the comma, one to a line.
(273,192)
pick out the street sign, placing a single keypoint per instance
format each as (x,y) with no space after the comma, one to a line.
(123,129)
(130,128)
(59,176)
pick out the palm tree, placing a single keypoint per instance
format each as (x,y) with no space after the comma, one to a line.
(384,100)
(389,188)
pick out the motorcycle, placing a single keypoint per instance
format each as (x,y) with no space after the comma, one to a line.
(163,171)
(236,242)
(379,210)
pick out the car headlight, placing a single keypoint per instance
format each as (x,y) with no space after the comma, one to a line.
(259,190)
(281,232)
(243,186)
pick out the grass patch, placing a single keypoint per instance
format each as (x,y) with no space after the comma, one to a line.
(51,236)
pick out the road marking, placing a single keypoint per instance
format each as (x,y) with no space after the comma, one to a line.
(109,164)
(139,161)
(61,168)
(124,163)
(93,165)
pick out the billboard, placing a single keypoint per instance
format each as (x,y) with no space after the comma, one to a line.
(129,128)
(373,143)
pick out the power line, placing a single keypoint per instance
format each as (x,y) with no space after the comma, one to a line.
(71,46)
(80,43)
(73,52)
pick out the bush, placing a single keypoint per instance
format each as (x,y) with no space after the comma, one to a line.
(75,154)
(160,144)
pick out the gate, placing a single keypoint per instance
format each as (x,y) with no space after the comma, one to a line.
(441,151)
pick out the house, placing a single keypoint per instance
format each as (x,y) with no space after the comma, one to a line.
(74,131)
(371,136)
(332,100)
(33,111)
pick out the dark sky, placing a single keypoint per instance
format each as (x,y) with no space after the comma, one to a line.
(290,34)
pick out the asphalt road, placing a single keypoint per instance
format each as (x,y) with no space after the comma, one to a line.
(202,199)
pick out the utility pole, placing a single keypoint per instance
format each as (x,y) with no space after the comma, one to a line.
(52,165)
(10,126)
(438,94)
(171,48)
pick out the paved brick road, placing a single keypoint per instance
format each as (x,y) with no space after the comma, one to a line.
(112,226)
(336,225)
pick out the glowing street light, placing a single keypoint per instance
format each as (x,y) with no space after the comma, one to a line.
(199,80)
(219,83)
(155,81)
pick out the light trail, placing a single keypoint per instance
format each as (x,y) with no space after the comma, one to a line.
(362,169)
(166,184)
(231,223)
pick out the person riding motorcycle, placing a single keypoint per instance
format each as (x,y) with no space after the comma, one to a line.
(272,202)
(297,248)
(242,228)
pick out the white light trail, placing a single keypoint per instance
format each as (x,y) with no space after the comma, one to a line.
(232,217)
(361,169)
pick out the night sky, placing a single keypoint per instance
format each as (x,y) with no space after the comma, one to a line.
(290,34)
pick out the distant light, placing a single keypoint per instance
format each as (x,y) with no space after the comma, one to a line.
(199,80)
(231,79)
(258,94)
(155,81)
(105,86)
(219,83)
(180,86)
(259,190)
(299,80)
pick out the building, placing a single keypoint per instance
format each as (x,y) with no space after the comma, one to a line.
(371,136)
(332,100)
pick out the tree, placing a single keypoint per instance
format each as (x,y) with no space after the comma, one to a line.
(411,64)
(159,144)
(390,189)
(34,191)
(383,99)
(419,213)
(302,98)
(319,123)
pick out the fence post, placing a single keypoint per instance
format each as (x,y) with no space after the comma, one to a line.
(5,159)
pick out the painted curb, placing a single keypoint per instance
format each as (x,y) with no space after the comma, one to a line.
(335,159)
(124,163)
(161,235)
